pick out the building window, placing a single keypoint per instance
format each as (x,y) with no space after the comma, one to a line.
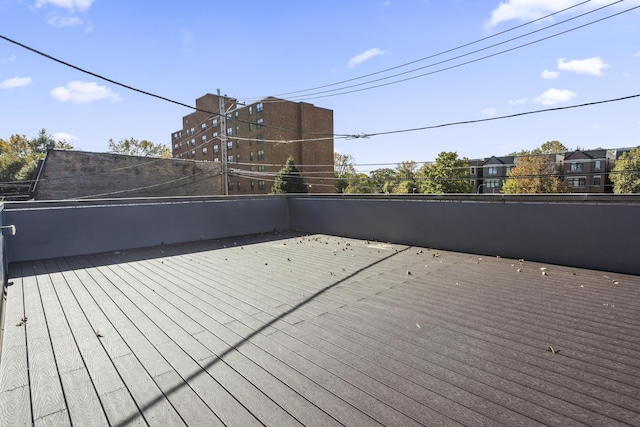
(259,107)
(204,139)
(229,131)
(577,181)
(228,117)
(250,112)
(193,142)
(260,154)
(238,158)
(598,164)
(236,114)
(473,183)
(237,130)
(230,186)
(204,150)
(238,185)
(493,170)
(237,143)
(175,146)
(260,139)
(260,185)
(597,181)
(193,131)
(229,145)
(214,123)
(260,168)
(253,183)
(216,160)
(203,126)
(492,183)
(260,122)
(215,148)
(250,127)
(251,156)
(193,153)
(215,134)
(576,166)
(473,170)
(251,143)
(230,159)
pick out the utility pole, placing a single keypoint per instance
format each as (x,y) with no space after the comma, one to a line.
(223,134)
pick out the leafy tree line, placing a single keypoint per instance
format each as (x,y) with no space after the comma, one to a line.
(447,174)
(534,172)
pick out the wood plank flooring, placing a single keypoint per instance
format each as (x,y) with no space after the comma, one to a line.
(286,330)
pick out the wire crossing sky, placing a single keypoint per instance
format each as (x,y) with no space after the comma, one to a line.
(182,51)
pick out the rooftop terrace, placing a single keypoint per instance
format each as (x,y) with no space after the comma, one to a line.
(290,328)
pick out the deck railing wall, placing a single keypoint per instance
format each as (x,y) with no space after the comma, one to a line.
(597,232)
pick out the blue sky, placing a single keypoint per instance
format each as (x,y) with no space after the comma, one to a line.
(252,49)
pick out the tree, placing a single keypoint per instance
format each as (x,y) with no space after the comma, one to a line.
(448,174)
(360,184)
(626,173)
(534,173)
(384,179)
(551,147)
(289,179)
(19,155)
(145,148)
(344,170)
(19,158)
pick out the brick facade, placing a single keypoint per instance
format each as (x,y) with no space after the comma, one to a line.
(78,174)
(261,136)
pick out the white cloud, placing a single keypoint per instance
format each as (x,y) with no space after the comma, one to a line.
(527,10)
(489,111)
(387,3)
(58,21)
(593,66)
(361,57)
(15,82)
(637,55)
(554,96)
(79,92)
(71,5)
(518,101)
(546,74)
(11,58)
(63,136)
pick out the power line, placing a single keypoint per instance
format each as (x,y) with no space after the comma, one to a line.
(433,55)
(309,97)
(487,119)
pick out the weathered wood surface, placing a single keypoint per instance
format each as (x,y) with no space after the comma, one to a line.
(284,330)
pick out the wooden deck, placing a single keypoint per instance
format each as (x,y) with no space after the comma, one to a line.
(280,330)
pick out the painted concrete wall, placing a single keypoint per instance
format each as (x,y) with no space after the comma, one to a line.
(575,230)
(588,233)
(76,228)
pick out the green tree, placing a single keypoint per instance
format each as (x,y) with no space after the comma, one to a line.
(626,173)
(19,158)
(551,147)
(360,184)
(289,179)
(384,179)
(448,174)
(133,147)
(534,173)
(344,170)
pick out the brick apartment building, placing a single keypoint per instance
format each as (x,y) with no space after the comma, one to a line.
(254,141)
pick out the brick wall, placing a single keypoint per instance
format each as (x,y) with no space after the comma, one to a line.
(78,174)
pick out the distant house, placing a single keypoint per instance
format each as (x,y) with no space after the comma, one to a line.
(475,174)
(588,171)
(495,170)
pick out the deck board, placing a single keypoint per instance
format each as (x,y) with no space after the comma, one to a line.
(286,330)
